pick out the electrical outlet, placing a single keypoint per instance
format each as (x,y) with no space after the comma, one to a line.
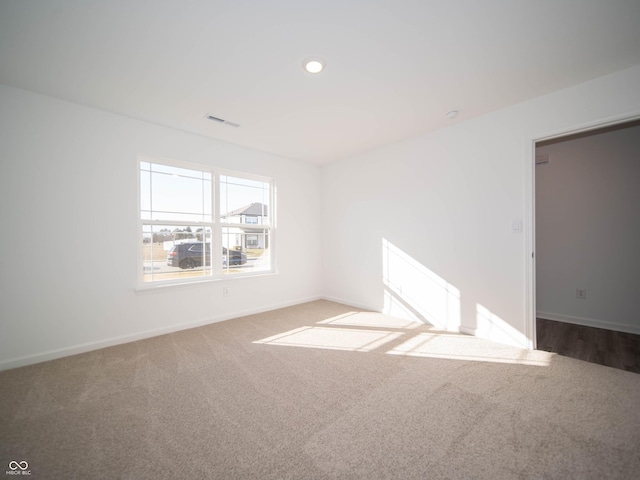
(581,293)
(226,292)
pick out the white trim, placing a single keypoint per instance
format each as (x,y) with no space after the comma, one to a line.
(216,232)
(467,330)
(349,303)
(530,201)
(119,340)
(139,235)
(236,173)
(530,244)
(589,126)
(590,322)
(110,342)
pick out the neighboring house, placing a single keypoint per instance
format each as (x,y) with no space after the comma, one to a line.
(251,235)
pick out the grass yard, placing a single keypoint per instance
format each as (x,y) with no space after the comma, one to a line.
(153,252)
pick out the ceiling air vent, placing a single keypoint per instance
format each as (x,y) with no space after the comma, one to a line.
(222,120)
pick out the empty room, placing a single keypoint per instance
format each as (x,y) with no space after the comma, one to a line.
(318,240)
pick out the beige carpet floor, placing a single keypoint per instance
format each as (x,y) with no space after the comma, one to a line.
(319,391)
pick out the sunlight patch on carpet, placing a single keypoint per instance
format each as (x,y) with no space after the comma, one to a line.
(355,340)
(370,319)
(462,347)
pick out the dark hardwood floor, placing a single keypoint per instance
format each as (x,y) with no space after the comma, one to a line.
(605,347)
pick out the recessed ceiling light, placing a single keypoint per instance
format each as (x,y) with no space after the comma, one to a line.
(452,114)
(313,64)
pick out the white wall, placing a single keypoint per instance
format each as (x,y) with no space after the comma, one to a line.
(68,204)
(588,230)
(444,205)
(437,209)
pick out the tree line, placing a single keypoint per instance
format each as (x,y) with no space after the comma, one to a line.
(167,235)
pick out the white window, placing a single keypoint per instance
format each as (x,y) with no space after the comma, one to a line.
(189,213)
(242,198)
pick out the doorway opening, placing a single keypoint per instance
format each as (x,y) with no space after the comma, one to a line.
(585,236)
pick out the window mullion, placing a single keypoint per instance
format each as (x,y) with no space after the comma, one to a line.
(216,234)
(175,223)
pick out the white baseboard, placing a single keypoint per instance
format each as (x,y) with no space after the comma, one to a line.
(349,303)
(467,330)
(110,342)
(589,322)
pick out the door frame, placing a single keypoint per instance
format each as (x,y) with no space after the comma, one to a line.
(530,203)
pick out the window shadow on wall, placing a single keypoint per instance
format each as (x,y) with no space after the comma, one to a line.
(413,291)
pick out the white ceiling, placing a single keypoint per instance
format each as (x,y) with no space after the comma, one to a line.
(394,67)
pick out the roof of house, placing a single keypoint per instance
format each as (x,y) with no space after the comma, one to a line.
(252,210)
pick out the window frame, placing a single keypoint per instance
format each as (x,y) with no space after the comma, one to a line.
(217,267)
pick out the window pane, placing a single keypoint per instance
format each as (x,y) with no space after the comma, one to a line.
(145,194)
(179,198)
(245,250)
(206,201)
(174,252)
(179,172)
(171,193)
(244,201)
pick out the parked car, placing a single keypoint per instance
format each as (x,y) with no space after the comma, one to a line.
(233,257)
(192,254)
